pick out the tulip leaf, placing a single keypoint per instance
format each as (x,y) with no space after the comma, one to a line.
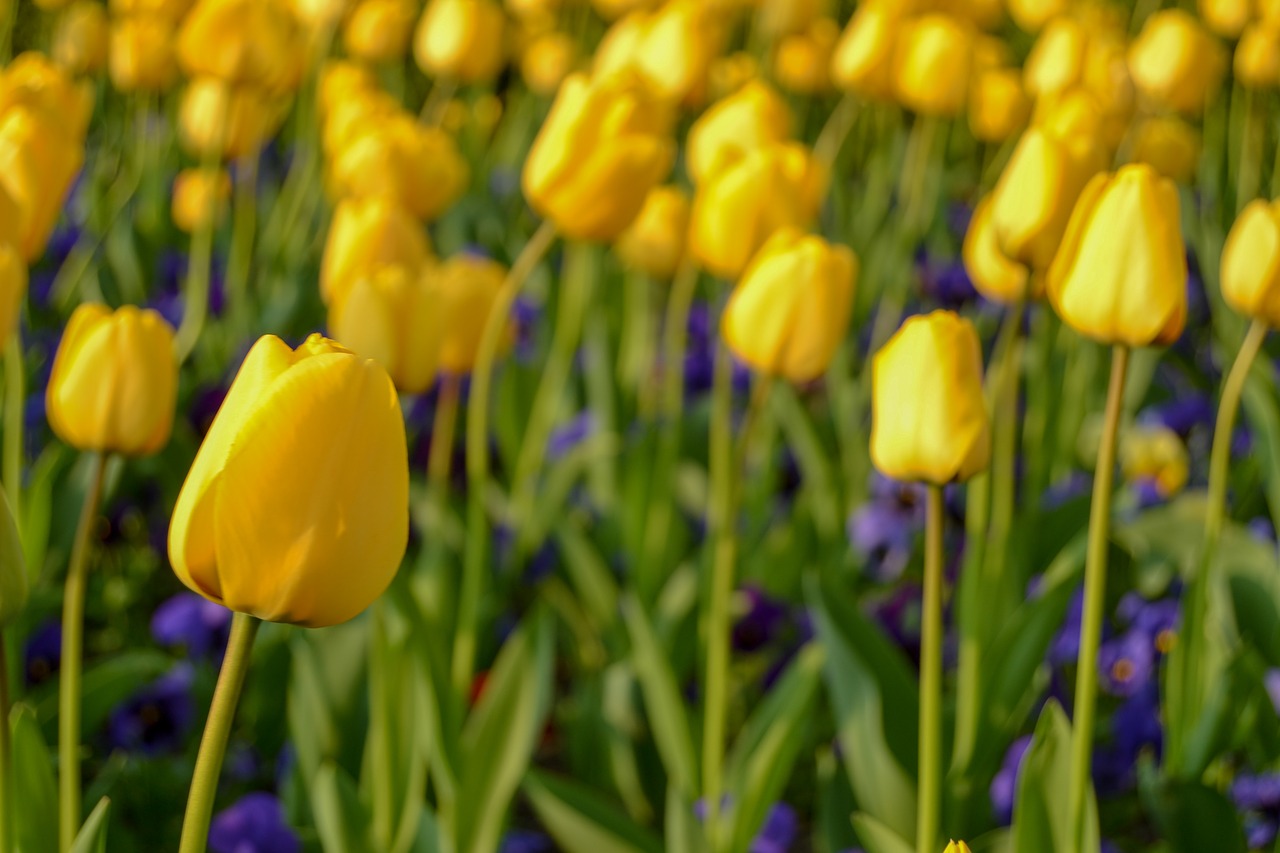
(92,837)
(877,837)
(341,821)
(1040,819)
(582,821)
(683,830)
(36,510)
(1192,818)
(36,822)
(589,574)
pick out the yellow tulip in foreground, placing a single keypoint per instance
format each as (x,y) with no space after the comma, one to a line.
(1251,263)
(296,508)
(114,382)
(1120,276)
(393,316)
(752,117)
(790,311)
(928,415)
(466,287)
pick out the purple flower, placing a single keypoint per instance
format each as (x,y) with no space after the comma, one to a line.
(883,530)
(1259,831)
(1065,648)
(945,282)
(1181,415)
(1004,787)
(526,841)
(158,717)
(43,653)
(779,831)
(1135,728)
(253,824)
(1157,619)
(570,434)
(1256,793)
(762,621)
(194,623)
(1272,682)
(1126,663)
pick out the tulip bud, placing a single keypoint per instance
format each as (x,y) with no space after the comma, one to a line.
(1169,145)
(802,61)
(466,287)
(216,119)
(34,81)
(242,43)
(790,311)
(1175,63)
(393,317)
(931,65)
(400,159)
(360,111)
(993,275)
(547,60)
(13,566)
(1120,276)
(1226,18)
(1031,15)
(603,146)
(368,233)
(752,117)
(342,81)
(1251,263)
(671,47)
(199,198)
(38,161)
(998,106)
(1155,455)
(928,414)
(461,39)
(80,41)
(654,244)
(957,847)
(613,9)
(169,10)
(114,381)
(296,508)
(13,289)
(1257,59)
(320,16)
(863,59)
(378,30)
(142,58)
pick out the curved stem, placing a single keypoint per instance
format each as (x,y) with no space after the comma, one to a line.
(217,729)
(928,816)
(442,429)
(69,671)
(14,405)
(1220,455)
(6,773)
(833,134)
(1095,590)
(473,570)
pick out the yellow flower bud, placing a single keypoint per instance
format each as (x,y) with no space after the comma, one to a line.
(1226,18)
(217,119)
(398,158)
(957,847)
(802,61)
(461,39)
(654,244)
(613,9)
(1251,263)
(931,65)
(114,382)
(379,30)
(1031,15)
(33,80)
(928,415)
(355,113)
(533,9)
(199,198)
(993,275)
(169,10)
(80,40)
(753,117)
(296,508)
(1155,454)
(466,287)
(393,316)
(740,205)
(1257,59)
(863,59)
(671,47)
(13,566)
(547,60)
(603,146)
(342,81)
(790,311)
(142,58)
(1176,63)
(368,233)
(1169,145)
(13,288)
(243,43)
(998,105)
(320,16)
(1057,59)
(1120,276)
(38,161)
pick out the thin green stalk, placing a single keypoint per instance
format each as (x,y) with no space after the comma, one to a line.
(196,307)
(442,430)
(6,773)
(244,224)
(72,654)
(929,814)
(915,176)
(1005,439)
(1095,592)
(635,349)
(834,133)
(14,404)
(1250,149)
(1220,454)
(474,569)
(217,729)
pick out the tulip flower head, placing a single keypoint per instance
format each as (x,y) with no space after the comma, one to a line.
(1176,63)
(398,158)
(671,47)
(1251,263)
(461,39)
(200,198)
(863,57)
(142,58)
(466,287)
(368,233)
(80,40)
(993,274)
(379,30)
(957,847)
(932,62)
(752,117)
(296,508)
(654,244)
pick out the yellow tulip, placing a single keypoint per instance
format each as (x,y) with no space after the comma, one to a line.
(170,10)
(341,81)
(38,162)
(1176,63)
(114,382)
(993,274)
(1155,455)
(612,9)
(393,317)
(547,60)
(789,313)
(783,17)
(671,47)
(80,40)
(220,120)
(603,146)
(752,117)
(1120,276)
(401,159)
(957,847)
(1031,15)
(13,566)
(731,73)
(928,415)
(13,289)
(931,65)
(740,205)
(1251,263)
(1257,59)
(359,111)
(461,39)
(379,30)
(802,61)
(296,508)
(466,287)
(199,198)
(34,81)
(654,244)
(533,9)
(1226,18)
(863,58)
(368,233)
(142,58)
(998,105)
(242,43)
(1169,145)
(320,17)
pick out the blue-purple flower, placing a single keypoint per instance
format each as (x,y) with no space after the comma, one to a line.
(158,718)
(1004,787)
(253,824)
(193,623)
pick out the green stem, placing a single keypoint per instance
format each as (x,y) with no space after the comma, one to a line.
(217,729)
(1220,454)
(474,569)
(1251,149)
(69,671)
(928,817)
(1005,448)
(442,430)
(915,177)
(6,773)
(14,404)
(1095,591)
(833,134)
(196,308)
(244,223)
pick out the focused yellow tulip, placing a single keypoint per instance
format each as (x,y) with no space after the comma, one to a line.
(142,58)
(928,414)
(220,120)
(740,205)
(604,145)
(655,242)
(1251,263)
(998,105)
(461,40)
(38,161)
(547,60)
(993,274)
(466,287)
(931,65)
(13,566)
(13,290)
(379,30)
(1176,63)
(114,382)
(802,61)
(242,43)
(393,316)
(368,233)
(399,158)
(80,40)
(863,58)
(1169,145)
(1257,58)
(672,47)
(752,117)
(1226,18)
(199,198)
(1120,276)
(790,311)
(296,508)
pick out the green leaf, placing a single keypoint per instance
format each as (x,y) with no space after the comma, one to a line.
(877,837)
(683,829)
(1040,819)
(1192,817)
(582,821)
(92,837)
(341,820)
(37,509)
(589,575)
(36,789)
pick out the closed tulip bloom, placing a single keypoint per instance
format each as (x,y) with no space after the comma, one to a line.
(783,17)
(547,60)
(296,508)
(379,30)
(863,58)
(998,105)
(320,16)
(1120,276)
(957,847)
(790,311)
(169,10)
(1056,62)
(671,47)
(34,81)
(242,42)
(1226,18)
(368,233)
(1251,263)
(1175,62)
(13,289)
(340,81)
(360,111)
(1155,455)
(604,145)
(931,65)
(38,161)
(928,414)
(416,165)
(114,382)
(142,58)
(393,317)
(220,120)
(654,244)
(80,40)
(802,61)
(1169,145)
(461,39)
(752,117)
(199,198)
(13,566)
(1257,59)
(1032,15)
(466,287)
(993,274)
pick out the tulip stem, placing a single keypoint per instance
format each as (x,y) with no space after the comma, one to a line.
(474,569)
(1250,150)
(6,773)
(834,133)
(1095,590)
(442,429)
(217,729)
(928,816)
(244,222)
(72,653)
(196,306)
(14,406)
(441,91)
(915,177)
